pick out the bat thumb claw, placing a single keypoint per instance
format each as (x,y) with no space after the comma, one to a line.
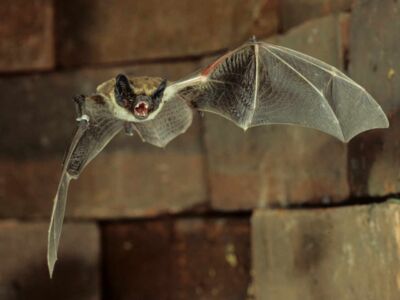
(84,118)
(253,39)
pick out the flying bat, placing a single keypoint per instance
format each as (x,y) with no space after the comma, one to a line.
(255,84)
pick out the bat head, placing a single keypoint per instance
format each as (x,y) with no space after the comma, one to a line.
(140,97)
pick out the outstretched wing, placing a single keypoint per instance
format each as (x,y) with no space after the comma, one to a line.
(96,128)
(261,84)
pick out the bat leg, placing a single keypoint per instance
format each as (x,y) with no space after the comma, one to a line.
(129,128)
(80,109)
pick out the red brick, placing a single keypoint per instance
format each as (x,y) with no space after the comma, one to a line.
(337,253)
(295,12)
(130,178)
(213,259)
(374,159)
(280,165)
(136,260)
(182,259)
(325,38)
(24,273)
(92,32)
(26,34)
(265,18)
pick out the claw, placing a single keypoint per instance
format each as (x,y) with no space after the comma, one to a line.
(80,108)
(253,39)
(79,99)
(84,118)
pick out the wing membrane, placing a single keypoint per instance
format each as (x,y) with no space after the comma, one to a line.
(174,119)
(96,128)
(261,84)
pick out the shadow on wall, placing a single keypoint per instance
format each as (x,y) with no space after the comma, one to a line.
(72,280)
(368,152)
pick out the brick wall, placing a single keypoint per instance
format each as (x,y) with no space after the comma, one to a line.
(276,213)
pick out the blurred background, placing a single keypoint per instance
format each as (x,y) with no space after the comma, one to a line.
(276,213)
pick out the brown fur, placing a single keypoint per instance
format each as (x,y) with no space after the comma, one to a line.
(98,99)
(145,85)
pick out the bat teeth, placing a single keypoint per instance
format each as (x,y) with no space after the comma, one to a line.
(142,109)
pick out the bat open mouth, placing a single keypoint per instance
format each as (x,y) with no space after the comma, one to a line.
(141,109)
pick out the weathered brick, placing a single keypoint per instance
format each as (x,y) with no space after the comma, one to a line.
(181,259)
(130,178)
(280,165)
(224,272)
(24,273)
(374,159)
(136,260)
(325,38)
(91,32)
(265,18)
(295,12)
(26,35)
(338,253)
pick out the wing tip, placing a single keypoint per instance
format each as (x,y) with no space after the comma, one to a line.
(51,253)
(50,264)
(382,124)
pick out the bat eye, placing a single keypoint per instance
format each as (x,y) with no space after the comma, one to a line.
(141,109)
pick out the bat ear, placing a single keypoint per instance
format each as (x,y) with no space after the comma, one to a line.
(122,88)
(158,93)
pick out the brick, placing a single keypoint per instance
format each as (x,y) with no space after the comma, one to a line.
(224,272)
(295,12)
(130,178)
(338,253)
(374,158)
(280,165)
(181,259)
(93,32)
(325,38)
(136,260)
(265,18)
(26,34)
(24,273)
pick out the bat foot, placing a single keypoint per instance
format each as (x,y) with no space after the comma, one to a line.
(129,128)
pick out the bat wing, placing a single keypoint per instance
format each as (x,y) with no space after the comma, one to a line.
(96,128)
(261,84)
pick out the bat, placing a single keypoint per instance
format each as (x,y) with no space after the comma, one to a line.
(255,84)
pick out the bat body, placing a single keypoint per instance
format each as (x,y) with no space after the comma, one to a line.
(255,84)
